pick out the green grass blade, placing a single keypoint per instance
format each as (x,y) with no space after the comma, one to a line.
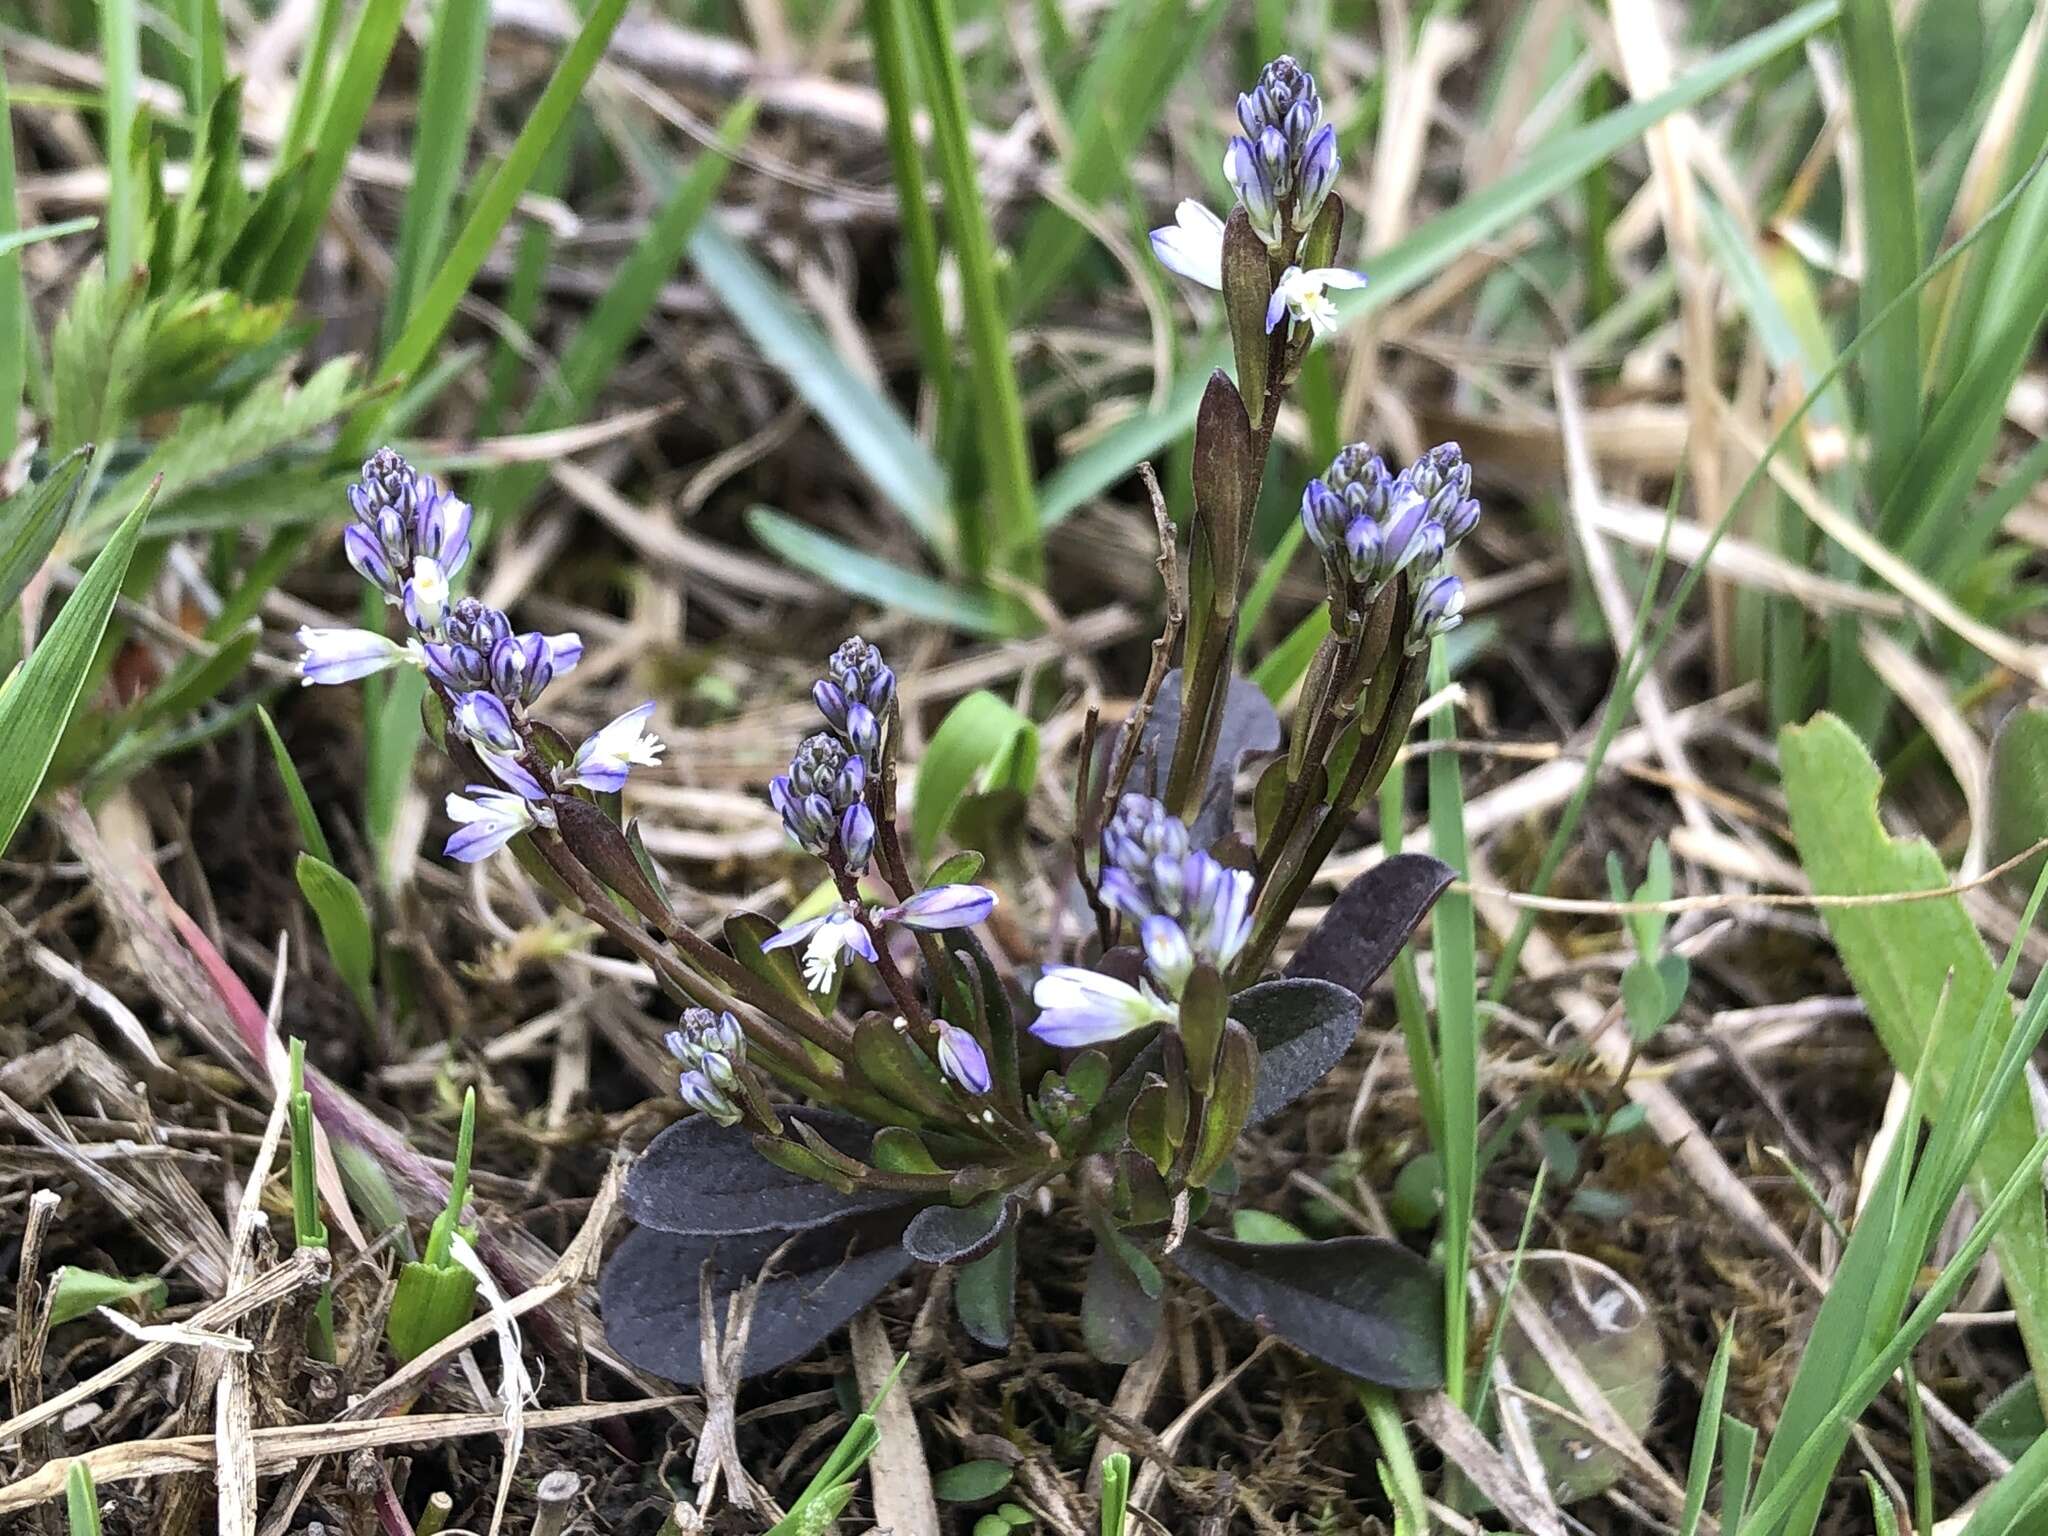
(1455,945)
(448,98)
(32,522)
(344,925)
(295,791)
(1889,197)
(340,124)
(207,39)
(1405,266)
(863,575)
(494,205)
(37,701)
(121,51)
(522,300)
(866,423)
(622,313)
(889,35)
(13,297)
(1706,1435)
(1008,537)
(81,1501)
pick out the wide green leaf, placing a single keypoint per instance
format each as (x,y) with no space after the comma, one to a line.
(37,702)
(982,744)
(1902,957)
(345,925)
(33,519)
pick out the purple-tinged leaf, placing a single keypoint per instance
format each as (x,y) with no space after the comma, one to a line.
(960,1234)
(601,848)
(1249,726)
(1372,917)
(702,1179)
(1247,285)
(1118,1318)
(1302,1028)
(1362,1304)
(650,1294)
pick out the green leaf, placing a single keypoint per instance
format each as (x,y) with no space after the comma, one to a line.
(37,703)
(1902,958)
(32,521)
(1250,1226)
(14,312)
(867,576)
(433,1301)
(972,1481)
(440,140)
(345,925)
(2018,795)
(494,204)
(983,744)
(81,1500)
(78,1291)
(621,314)
(295,791)
(865,422)
(1891,222)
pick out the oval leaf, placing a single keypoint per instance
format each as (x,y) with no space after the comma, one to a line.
(650,1294)
(702,1179)
(1365,927)
(959,1234)
(1118,1319)
(1249,725)
(1303,1027)
(1361,1304)
(985,1294)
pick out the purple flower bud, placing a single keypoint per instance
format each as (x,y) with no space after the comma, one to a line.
(858,668)
(1324,518)
(863,730)
(941,907)
(521,666)
(1460,520)
(1440,609)
(856,837)
(441,525)
(711,1045)
(1364,553)
(1078,1008)
(708,1099)
(1403,537)
(482,716)
(1167,952)
(1317,175)
(1241,167)
(963,1060)
(366,554)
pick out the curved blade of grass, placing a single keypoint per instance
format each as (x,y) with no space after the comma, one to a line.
(867,423)
(340,124)
(1889,196)
(37,701)
(1008,537)
(448,97)
(494,204)
(889,36)
(620,315)
(1405,266)
(33,521)
(864,575)
(344,925)
(295,791)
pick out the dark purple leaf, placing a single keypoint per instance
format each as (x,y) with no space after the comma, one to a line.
(959,1234)
(1361,1304)
(1302,1028)
(1372,917)
(1249,725)
(1118,1318)
(650,1294)
(702,1179)
(601,848)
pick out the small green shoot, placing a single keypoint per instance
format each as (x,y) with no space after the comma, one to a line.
(436,1295)
(308,1231)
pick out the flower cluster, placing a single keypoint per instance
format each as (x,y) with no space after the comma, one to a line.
(829,807)
(1371,526)
(712,1050)
(409,539)
(1189,910)
(1282,167)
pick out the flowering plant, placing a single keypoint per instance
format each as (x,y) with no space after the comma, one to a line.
(880,1083)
